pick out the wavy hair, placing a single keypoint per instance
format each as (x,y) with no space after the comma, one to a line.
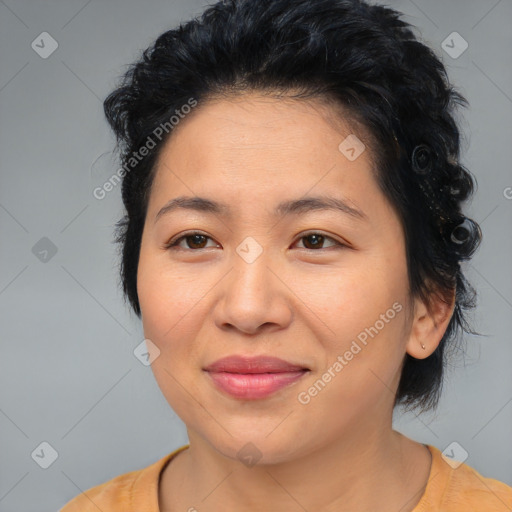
(360,57)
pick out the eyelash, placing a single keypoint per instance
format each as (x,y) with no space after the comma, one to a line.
(173,243)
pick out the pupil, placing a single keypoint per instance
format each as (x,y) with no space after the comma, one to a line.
(317,239)
(195,239)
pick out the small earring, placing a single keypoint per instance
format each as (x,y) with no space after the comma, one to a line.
(423,346)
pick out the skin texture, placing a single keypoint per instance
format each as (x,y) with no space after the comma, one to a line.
(295,301)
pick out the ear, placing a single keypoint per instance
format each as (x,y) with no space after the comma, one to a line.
(429,323)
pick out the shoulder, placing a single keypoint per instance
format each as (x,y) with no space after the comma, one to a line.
(455,486)
(109,496)
(124,493)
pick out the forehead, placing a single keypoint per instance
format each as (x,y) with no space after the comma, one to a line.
(262,150)
(245,120)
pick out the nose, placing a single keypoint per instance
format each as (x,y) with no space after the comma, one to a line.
(254,297)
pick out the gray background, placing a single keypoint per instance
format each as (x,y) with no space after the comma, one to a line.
(67,369)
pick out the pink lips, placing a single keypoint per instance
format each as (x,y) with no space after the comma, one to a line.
(252,378)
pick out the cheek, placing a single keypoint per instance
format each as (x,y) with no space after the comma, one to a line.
(168,297)
(359,315)
(169,306)
(361,366)
(347,299)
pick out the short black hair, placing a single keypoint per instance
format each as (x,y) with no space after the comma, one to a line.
(363,58)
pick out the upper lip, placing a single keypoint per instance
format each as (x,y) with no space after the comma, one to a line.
(254,364)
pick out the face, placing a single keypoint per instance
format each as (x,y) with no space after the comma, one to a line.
(325,289)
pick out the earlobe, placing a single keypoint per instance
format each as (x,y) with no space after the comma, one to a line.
(429,324)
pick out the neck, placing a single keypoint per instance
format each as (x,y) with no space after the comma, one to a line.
(375,468)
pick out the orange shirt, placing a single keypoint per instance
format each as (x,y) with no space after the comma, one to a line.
(448,490)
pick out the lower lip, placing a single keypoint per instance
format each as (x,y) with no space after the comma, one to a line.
(251,386)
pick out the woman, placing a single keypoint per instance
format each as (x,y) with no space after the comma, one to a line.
(292,244)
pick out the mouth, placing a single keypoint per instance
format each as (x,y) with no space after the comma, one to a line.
(252,378)
(254,364)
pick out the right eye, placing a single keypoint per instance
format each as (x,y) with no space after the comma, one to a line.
(192,239)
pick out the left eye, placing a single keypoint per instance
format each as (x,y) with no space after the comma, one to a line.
(195,239)
(316,239)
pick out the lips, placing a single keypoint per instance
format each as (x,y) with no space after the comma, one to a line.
(259,364)
(252,378)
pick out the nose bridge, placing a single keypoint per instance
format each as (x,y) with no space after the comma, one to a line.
(251,268)
(252,294)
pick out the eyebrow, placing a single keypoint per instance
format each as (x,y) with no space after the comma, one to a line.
(285,208)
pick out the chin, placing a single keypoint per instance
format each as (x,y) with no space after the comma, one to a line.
(255,450)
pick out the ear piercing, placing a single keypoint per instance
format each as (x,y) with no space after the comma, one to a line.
(423,346)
